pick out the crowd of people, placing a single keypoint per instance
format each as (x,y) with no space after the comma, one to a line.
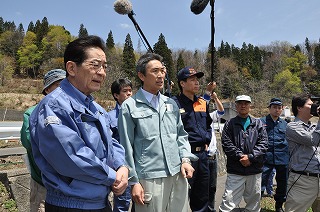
(158,153)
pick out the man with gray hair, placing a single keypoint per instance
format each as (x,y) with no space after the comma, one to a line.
(244,141)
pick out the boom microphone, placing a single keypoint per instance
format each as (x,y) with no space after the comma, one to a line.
(197,6)
(123,7)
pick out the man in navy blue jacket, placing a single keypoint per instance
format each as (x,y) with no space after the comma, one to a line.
(277,155)
(244,141)
(196,120)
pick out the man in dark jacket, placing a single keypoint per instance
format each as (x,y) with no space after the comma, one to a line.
(196,120)
(277,155)
(244,141)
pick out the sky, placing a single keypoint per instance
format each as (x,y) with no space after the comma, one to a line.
(256,22)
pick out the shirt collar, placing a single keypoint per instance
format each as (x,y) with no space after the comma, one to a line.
(149,95)
(75,93)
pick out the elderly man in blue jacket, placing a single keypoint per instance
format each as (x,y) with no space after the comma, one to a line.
(71,141)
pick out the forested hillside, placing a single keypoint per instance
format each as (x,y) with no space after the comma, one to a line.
(279,69)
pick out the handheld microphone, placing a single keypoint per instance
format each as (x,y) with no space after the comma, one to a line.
(197,6)
(123,7)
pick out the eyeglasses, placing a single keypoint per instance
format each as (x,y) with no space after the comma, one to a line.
(97,65)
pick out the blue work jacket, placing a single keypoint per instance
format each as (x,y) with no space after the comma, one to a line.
(72,146)
(278,153)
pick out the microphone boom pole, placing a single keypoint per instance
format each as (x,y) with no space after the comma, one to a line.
(212,39)
(136,25)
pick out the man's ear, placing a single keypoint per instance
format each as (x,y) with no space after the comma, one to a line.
(71,67)
(116,96)
(141,76)
(182,83)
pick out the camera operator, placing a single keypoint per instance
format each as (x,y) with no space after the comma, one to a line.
(303,138)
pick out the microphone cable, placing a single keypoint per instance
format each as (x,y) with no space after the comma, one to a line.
(314,152)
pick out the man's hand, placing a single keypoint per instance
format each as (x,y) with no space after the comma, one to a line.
(211,86)
(244,160)
(214,96)
(121,182)
(137,194)
(187,170)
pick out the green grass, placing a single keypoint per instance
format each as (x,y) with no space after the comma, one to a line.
(267,205)
(6,203)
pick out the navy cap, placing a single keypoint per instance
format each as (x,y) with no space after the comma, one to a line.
(275,101)
(188,72)
(52,76)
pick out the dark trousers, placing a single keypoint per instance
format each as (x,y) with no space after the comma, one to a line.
(281,179)
(53,208)
(212,183)
(199,184)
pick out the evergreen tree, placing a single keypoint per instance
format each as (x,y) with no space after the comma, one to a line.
(31,27)
(110,42)
(317,58)
(180,62)
(82,31)
(221,51)
(20,28)
(41,29)
(162,49)
(128,58)
(227,50)
(9,26)
(309,51)
(1,25)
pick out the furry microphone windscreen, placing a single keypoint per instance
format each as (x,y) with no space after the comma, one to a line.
(122,7)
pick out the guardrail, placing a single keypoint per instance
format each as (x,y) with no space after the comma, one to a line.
(10,133)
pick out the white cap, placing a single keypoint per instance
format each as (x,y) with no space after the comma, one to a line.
(243,98)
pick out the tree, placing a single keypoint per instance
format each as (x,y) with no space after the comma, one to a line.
(180,62)
(53,46)
(110,41)
(295,63)
(82,31)
(309,52)
(31,27)
(128,58)
(41,30)
(29,55)
(6,68)
(317,58)
(10,42)
(55,42)
(286,84)
(162,49)
(1,25)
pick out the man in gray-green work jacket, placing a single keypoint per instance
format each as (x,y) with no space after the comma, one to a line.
(157,150)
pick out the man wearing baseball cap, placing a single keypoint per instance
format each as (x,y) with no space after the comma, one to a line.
(196,119)
(277,155)
(51,81)
(244,141)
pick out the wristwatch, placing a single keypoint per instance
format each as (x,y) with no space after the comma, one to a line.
(124,165)
(186,160)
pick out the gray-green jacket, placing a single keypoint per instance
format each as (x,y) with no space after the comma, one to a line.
(154,142)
